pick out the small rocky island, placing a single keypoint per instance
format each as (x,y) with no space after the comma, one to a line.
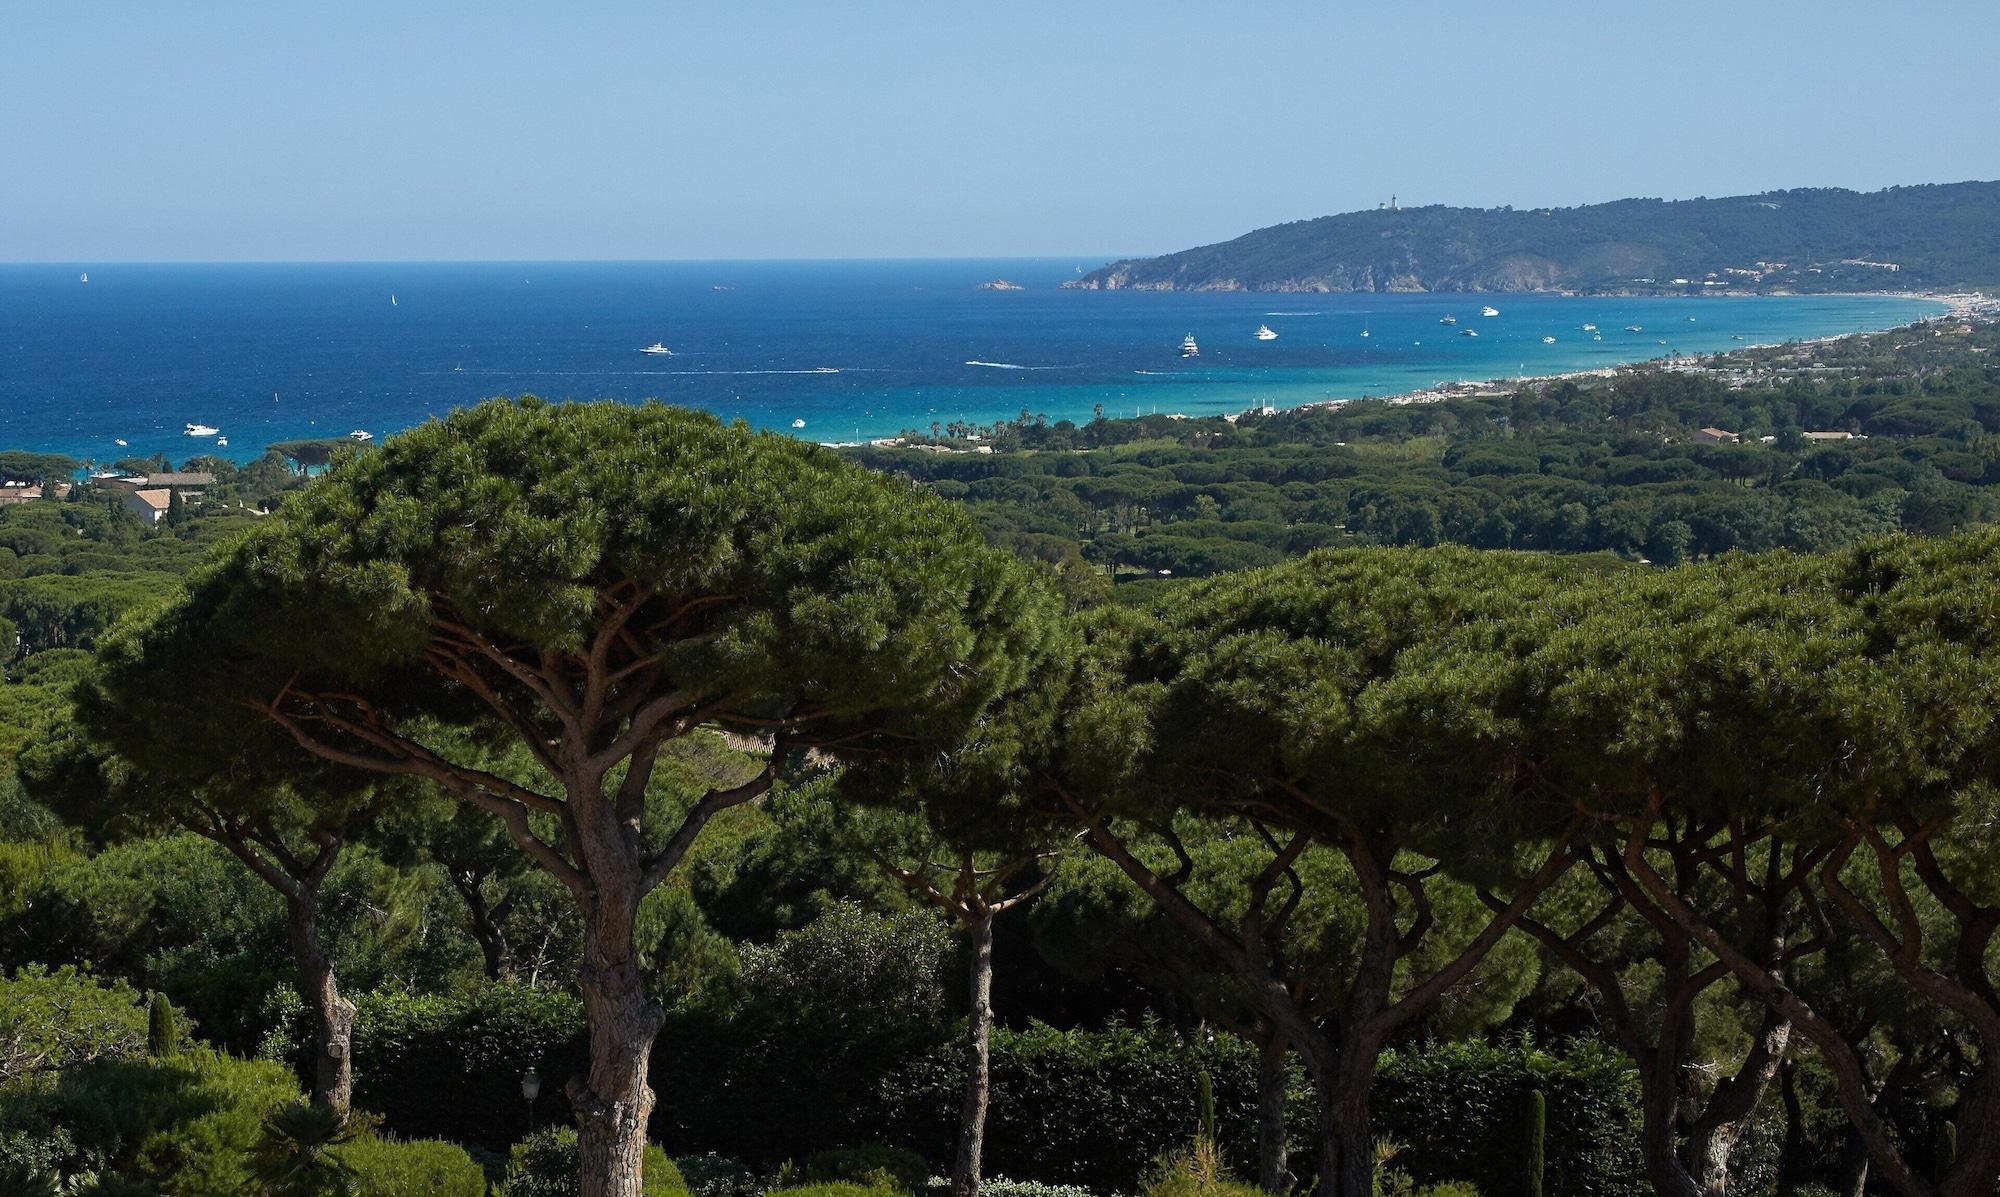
(999,284)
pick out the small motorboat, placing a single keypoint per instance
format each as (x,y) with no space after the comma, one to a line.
(1264,333)
(1489,310)
(798,423)
(362,434)
(1447,320)
(222,442)
(200,430)
(1548,340)
(1468,332)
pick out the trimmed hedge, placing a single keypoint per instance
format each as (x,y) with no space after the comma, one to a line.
(1460,1110)
(447,1067)
(417,1168)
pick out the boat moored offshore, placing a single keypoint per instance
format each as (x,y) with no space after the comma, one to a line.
(1189,348)
(1264,333)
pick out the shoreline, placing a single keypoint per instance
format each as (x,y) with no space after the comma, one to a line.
(1972,306)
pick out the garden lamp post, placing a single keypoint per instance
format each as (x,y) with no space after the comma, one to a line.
(531,1088)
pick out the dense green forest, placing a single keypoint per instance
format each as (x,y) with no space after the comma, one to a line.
(1810,239)
(586,799)
(1611,465)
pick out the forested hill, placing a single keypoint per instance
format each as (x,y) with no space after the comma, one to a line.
(1813,239)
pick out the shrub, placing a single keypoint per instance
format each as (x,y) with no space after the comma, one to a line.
(414,1168)
(873,1165)
(546,1164)
(832,1188)
(714,1175)
(51,1020)
(186,1123)
(1000,1186)
(1195,1171)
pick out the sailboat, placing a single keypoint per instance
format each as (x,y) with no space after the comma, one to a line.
(1189,348)
(1264,333)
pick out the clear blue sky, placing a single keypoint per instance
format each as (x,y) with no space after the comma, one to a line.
(221,130)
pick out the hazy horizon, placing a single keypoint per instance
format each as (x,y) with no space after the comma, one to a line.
(788,131)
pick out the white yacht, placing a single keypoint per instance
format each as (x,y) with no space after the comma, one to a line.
(1468,332)
(222,442)
(1189,348)
(200,430)
(119,441)
(798,423)
(1264,333)
(658,350)
(83,278)
(1548,340)
(1489,310)
(1447,320)
(362,434)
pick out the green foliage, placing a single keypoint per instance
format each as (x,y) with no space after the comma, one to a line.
(449,1066)
(1457,1108)
(1195,1171)
(873,1166)
(54,1020)
(1597,466)
(163,1032)
(712,1175)
(546,1163)
(833,1188)
(1536,1142)
(410,1168)
(187,1123)
(295,1154)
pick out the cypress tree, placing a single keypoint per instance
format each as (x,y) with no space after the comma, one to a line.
(163,1035)
(1538,1122)
(1204,1105)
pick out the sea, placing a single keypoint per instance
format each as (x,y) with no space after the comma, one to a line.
(92,355)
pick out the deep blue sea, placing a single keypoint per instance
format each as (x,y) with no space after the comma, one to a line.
(854,349)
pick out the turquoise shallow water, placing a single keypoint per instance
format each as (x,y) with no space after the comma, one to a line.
(854,349)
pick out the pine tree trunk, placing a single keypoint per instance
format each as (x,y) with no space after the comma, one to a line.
(1272,1174)
(978,1057)
(612,1100)
(333,1015)
(1852,1179)
(1341,1076)
(487,930)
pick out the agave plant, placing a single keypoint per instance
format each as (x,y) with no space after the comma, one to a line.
(294,1153)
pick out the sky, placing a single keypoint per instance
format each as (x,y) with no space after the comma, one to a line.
(223,131)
